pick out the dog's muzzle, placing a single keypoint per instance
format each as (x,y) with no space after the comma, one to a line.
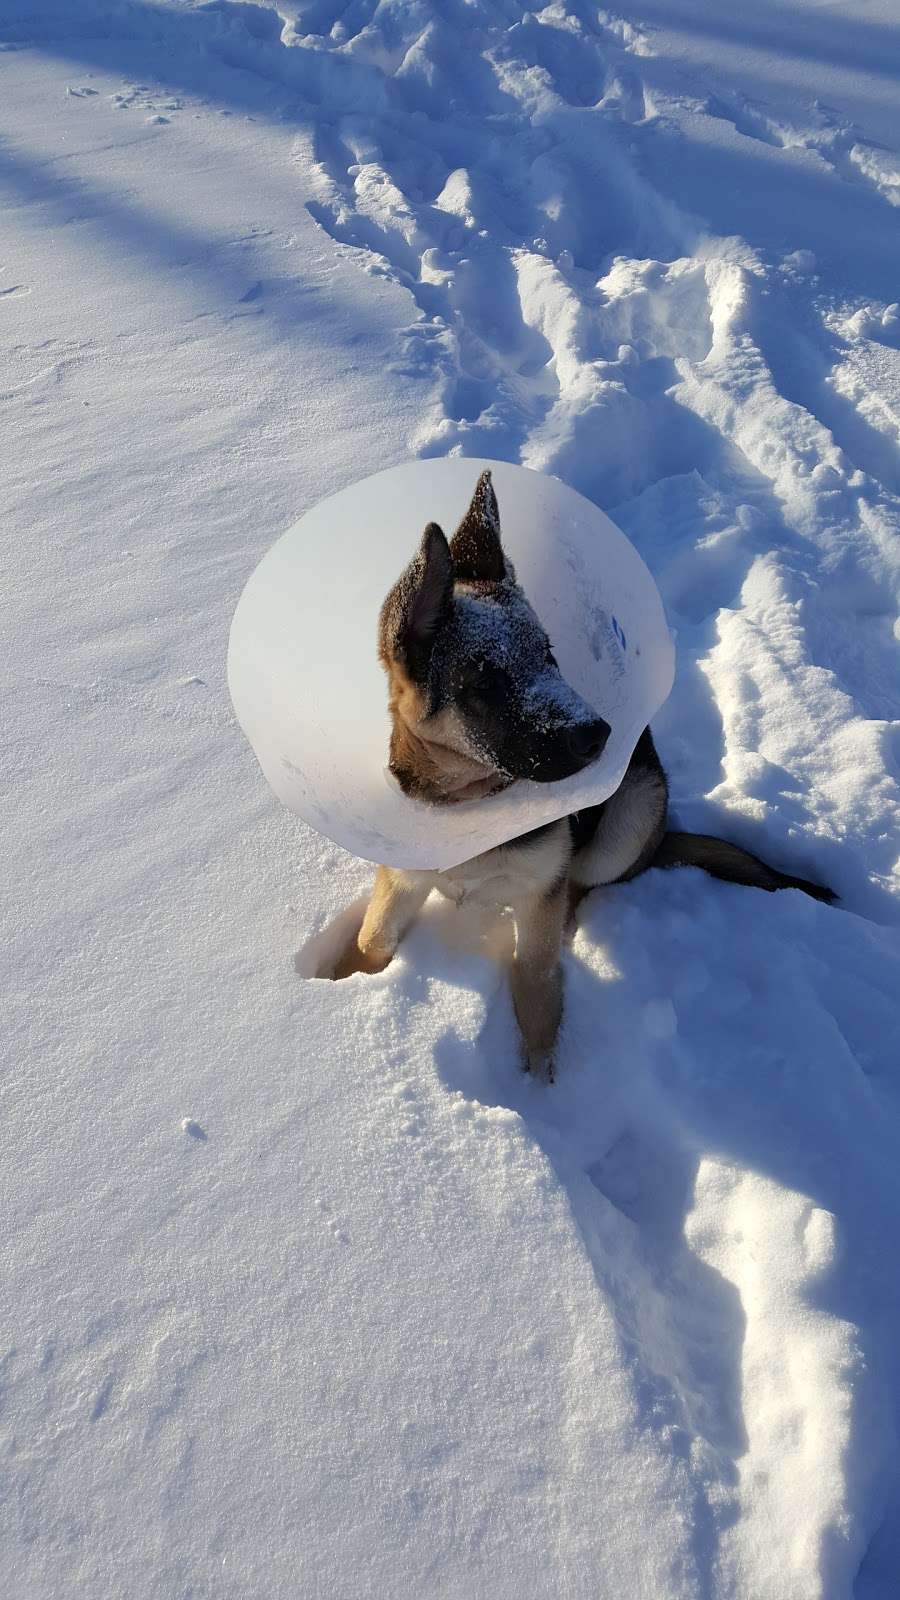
(571,750)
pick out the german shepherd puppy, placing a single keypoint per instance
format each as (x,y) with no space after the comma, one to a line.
(477,701)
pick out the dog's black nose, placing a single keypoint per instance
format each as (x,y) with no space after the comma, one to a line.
(587,740)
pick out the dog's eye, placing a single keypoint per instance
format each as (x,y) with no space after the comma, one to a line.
(480,680)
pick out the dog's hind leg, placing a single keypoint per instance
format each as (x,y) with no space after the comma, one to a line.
(396,898)
(536,976)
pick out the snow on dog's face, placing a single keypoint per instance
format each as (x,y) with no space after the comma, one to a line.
(475,695)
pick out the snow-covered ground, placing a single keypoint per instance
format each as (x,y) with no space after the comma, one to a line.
(306,1291)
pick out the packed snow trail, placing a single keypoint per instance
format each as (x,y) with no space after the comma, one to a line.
(310,1291)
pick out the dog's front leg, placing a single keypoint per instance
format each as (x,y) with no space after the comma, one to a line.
(536,976)
(396,898)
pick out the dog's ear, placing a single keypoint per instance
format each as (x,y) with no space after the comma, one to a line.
(475,547)
(418,605)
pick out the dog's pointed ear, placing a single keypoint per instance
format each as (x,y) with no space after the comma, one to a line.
(475,547)
(418,605)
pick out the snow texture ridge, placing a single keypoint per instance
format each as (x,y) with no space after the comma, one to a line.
(307,1290)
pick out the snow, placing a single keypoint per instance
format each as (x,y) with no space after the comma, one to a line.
(307,1290)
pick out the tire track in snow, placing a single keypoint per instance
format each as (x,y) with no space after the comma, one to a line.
(841,523)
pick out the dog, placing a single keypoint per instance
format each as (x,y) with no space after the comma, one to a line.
(477,702)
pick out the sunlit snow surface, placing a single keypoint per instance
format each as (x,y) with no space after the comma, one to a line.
(306,1292)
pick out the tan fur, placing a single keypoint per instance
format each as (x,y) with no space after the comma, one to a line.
(628,834)
(531,883)
(396,898)
(432,753)
(536,977)
(539,883)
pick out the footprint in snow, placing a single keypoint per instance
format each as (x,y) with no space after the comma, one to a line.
(746,120)
(334,1228)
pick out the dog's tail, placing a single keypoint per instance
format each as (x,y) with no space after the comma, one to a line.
(728,861)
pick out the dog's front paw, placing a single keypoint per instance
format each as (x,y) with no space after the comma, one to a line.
(539,1064)
(355,960)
